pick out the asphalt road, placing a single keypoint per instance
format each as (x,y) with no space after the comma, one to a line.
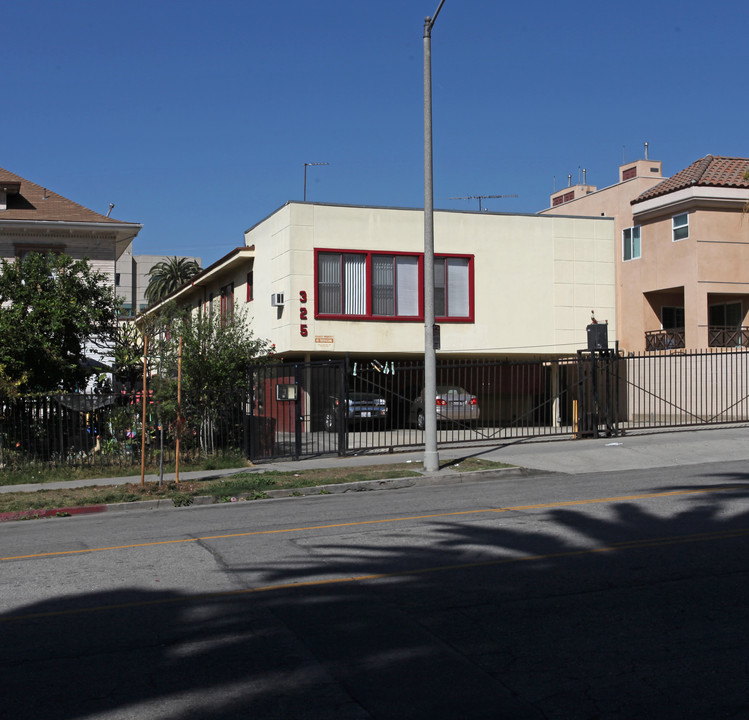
(614,595)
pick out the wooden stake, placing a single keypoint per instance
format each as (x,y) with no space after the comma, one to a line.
(143,430)
(179,409)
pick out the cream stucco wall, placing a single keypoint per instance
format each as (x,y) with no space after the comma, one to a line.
(536,279)
(615,202)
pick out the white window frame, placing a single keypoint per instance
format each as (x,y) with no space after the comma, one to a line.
(630,242)
(677,228)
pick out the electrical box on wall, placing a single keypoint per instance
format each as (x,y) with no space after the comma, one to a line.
(285,392)
(276,299)
(598,337)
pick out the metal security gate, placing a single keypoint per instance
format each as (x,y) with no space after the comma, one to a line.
(339,408)
(289,407)
(685,388)
(310,409)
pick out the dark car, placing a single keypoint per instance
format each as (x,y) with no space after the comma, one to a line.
(362,407)
(453,403)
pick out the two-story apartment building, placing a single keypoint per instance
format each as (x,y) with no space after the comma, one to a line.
(321,281)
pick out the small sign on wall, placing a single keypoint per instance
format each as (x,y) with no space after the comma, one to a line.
(286,392)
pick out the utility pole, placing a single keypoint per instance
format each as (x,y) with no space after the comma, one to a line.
(431,456)
(481,197)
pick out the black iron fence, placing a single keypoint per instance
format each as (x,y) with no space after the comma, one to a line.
(113,430)
(304,409)
(679,389)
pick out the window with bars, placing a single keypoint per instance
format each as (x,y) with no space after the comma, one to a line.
(374,285)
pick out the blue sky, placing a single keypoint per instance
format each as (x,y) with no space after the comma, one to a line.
(196,118)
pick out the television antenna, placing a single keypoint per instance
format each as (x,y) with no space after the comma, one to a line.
(481,197)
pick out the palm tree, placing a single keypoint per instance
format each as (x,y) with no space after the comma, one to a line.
(169,275)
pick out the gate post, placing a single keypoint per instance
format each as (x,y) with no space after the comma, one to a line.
(297,413)
(342,409)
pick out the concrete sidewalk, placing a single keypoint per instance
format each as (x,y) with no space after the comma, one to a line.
(630,452)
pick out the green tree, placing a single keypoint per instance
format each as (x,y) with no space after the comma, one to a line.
(216,360)
(169,275)
(52,308)
(215,355)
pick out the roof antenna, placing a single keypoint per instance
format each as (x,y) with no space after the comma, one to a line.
(111,207)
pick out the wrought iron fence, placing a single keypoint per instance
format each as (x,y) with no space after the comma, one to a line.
(303,409)
(679,389)
(307,409)
(109,430)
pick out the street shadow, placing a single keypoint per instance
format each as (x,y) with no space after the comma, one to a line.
(548,613)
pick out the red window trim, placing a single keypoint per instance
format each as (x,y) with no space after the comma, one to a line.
(369,317)
(250,288)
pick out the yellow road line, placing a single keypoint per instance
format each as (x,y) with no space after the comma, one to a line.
(516,508)
(625,545)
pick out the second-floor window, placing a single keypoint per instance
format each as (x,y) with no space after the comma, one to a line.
(631,249)
(680,226)
(374,285)
(227,303)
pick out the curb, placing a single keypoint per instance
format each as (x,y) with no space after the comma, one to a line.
(52,512)
(455,478)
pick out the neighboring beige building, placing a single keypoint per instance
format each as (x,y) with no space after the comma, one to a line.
(682,261)
(322,280)
(33,218)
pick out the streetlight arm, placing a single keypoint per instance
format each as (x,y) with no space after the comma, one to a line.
(429,21)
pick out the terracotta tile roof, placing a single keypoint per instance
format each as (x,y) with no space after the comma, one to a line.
(710,171)
(34,202)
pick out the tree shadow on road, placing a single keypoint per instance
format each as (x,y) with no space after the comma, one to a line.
(575,612)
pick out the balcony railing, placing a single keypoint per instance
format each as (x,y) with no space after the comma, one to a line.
(727,336)
(671,339)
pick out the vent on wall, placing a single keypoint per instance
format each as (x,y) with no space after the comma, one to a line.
(276,299)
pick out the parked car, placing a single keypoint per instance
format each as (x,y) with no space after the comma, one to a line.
(454,403)
(362,407)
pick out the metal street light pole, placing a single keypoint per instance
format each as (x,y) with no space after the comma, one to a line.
(431,455)
(306,165)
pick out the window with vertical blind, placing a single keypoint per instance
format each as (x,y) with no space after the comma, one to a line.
(387,286)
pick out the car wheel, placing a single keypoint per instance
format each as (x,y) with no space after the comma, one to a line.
(420,421)
(330,421)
